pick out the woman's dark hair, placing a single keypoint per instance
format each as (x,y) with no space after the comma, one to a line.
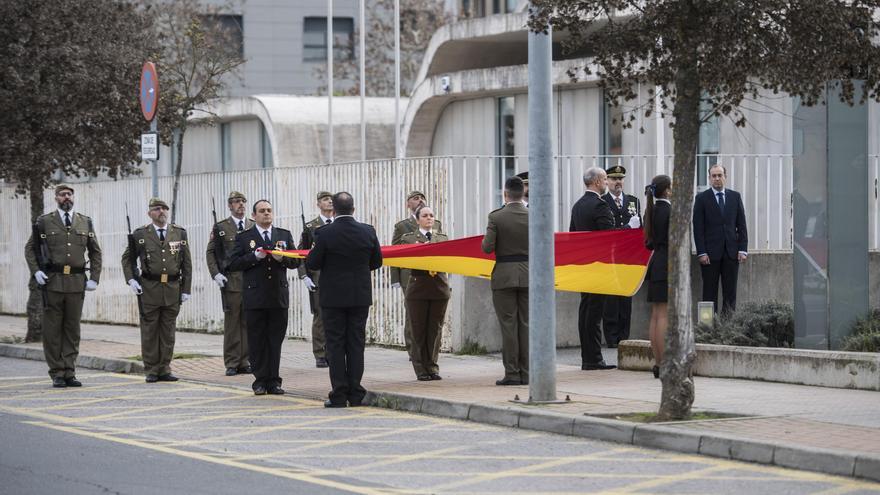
(658,188)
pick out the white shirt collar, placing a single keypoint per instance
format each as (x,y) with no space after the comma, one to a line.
(236,220)
(424,232)
(156,227)
(715,192)
(616,196)
(324,219)
(62,212)
(337,217)
(261,230)
(663,200)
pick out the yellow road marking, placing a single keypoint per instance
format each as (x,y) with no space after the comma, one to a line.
(283,473)
(407,458)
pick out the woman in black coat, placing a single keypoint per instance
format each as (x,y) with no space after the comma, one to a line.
(656,231)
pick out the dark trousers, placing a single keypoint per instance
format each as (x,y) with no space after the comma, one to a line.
(727,270)
(426,317)
(235,344)
(589,315)
(61,332)
(616,318)
(266,329)
(158,325)
(345,334)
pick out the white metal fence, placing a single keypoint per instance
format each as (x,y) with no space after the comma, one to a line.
(463,190)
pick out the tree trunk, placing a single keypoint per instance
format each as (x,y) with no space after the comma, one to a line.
(35,297)
(676,375)
(177,169)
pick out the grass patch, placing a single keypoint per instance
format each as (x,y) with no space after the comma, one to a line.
(865,335)
(11,339)
(471,348)
(182,355)
(651,417)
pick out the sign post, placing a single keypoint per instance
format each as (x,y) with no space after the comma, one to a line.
(149,99)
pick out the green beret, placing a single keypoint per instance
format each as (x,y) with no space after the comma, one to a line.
(415,194)
(154,202)
(324,194)
(236,195)
(63,187)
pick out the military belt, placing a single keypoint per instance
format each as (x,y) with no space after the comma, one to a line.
(164,277)
(512,258)
(65,269)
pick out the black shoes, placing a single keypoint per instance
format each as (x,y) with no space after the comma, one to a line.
(72,382)
(59,382)
(151,379)
(321,363)
(424,378)
(330,403)
(276,391)
(259,390)
(508,381)
(598,366)
(246,370)
(435,376)
(168,377)
(656,371)
(231,371)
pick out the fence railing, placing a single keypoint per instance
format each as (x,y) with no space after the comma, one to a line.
(463,190)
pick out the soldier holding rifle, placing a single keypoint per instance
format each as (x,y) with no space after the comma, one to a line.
(310,277)
(220,246)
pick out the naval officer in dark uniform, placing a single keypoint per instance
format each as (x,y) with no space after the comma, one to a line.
(266,294)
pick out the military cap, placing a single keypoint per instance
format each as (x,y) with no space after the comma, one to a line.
(154,202)
(524,176)
(236,195)
(616,172)
(415,194)
(324,194)
(63,187)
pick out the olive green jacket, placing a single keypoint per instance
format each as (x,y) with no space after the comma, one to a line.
(171,258)
(507,234)
(75,248)
(423,284)
(226,231)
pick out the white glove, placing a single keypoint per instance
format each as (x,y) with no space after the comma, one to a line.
(91,285)
(277,257)
(309,284)
(135,287)
(41,277)
(635,222)
(184,298)
(220,279)
(259,254)
(395,285)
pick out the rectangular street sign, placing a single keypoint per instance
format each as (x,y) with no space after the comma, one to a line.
(149,146)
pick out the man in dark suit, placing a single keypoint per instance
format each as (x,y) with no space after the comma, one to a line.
(345,252)
(721,238)
(591,213)
(266,294)
(627,212)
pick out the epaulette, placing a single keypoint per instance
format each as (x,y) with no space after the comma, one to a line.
(497,209)
(177,227)
(144,227)
(84,216)
(282,230)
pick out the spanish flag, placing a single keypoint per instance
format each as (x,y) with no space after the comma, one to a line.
(610,262)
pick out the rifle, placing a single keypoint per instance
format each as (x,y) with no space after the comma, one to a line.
(219,254)
(306,242)
(39,247)
(133,257)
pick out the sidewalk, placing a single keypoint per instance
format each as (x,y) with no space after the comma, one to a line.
(829,430)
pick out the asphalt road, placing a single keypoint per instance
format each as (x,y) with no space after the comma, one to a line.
(119,435)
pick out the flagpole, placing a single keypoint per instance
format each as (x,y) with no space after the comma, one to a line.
(329,81)
(363,91)
(397,151)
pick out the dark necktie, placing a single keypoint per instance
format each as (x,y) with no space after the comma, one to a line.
(240,225)
(428,235)
(619,202)
(266,237)
(67,219)
(328,222)
(720,201)
(162,235)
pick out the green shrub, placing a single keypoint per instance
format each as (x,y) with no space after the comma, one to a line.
(865,335)
(767,324)
(471,348)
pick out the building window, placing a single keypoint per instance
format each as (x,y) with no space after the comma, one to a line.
(315,38)
(504,6)
(612,134)
(709,145)
(505,143)
(225,147)
(265,148)
(231,28)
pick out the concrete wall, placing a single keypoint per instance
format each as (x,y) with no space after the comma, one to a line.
(765,277)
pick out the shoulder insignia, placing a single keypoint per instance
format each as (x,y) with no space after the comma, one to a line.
(178,227)
(91,234)
(42,236)
(221,233)
(140,241)
(183,242)
(253,244)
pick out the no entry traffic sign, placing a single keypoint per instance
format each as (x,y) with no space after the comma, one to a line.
(149,94)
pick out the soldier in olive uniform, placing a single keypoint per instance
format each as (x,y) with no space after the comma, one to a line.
(507,235)
(311,278)
(627,215)
(61,246)
(220,246)
(400,276)
(427,296)
(164,283)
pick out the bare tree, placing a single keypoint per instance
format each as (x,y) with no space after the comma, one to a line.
(201,48)
(419,19)
(721,53)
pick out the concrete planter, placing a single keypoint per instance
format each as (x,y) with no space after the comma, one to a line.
(856,370)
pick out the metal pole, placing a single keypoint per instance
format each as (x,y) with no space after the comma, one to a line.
(329,81)
(363,81)
(397,151)
(542,294)
(154,164)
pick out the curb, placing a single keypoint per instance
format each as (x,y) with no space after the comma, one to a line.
(827,461)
